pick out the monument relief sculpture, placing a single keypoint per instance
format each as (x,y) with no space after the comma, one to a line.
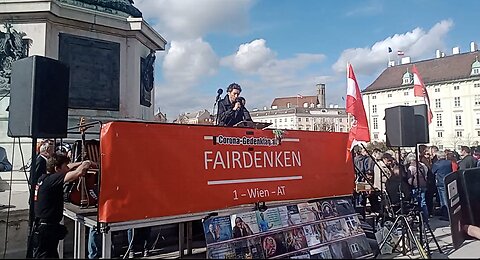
(13,46)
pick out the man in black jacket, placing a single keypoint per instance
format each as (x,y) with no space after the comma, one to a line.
(48,231)
(231,109)
(468,161)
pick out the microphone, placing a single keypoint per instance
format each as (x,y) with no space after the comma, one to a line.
(219,92)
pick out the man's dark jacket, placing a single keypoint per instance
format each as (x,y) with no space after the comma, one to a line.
(467,162)
(229,117)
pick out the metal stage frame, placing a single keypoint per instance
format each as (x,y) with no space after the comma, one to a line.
(87,217)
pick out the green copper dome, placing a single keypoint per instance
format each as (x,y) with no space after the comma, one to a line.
(110,6)
(476,65)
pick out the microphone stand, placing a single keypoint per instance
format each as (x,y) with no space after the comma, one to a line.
(213,110)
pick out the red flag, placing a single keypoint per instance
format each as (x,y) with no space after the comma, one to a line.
(419,90)
(359,131)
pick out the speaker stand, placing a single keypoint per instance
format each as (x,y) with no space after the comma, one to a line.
(31,208)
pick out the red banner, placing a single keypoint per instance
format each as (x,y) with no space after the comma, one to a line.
(155,170)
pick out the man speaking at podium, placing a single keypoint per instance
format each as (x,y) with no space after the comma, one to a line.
(231,109)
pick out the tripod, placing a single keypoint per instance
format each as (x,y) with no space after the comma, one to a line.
(402,221)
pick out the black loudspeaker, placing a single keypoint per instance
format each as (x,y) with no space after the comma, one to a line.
(38,98)
(421,124)
(400,126)
(470,198)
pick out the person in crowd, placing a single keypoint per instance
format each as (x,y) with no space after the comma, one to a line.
(441,168)
(5,164)
(382,170)
(467,160)
(452,159)
(139,241)
(396,186)
(418,180)
(46,150)
(427,159)
(433,152)
(230,109)
(47,230)
(241,228)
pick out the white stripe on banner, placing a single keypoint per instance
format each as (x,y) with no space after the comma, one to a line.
(290,178)
(290,140)
(206,137)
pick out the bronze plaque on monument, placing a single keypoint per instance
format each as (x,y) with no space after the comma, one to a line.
(94,72)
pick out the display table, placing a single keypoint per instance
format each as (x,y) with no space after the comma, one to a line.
(88,218)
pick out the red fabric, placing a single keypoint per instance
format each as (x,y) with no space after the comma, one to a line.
(454,166)
(419,90)
(154,170)
(359,130)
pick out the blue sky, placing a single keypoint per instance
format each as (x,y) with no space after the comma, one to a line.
(277,48)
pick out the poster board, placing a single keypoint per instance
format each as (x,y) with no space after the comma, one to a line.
(152,170)
(463,194)
(327,228)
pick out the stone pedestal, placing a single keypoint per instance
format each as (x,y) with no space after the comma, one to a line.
(113,43)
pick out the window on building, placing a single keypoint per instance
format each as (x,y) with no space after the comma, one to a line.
(291,119)
(375,135)
(459,133)
(374,109)
(280,120)
(440,147)
(456,87)
(389,95)
(456,101)
(477,119)
(340,120)
(307,128)
(458,120)
(438,104)
(476,71)
(437,90)
(439,134)
(374,97)
(406,103)
(289,105)
(439,120)
(477,100)
(478,133)
(306,119)
(476,85)
(299,119)
(275,121)
(405,93)
(375,123)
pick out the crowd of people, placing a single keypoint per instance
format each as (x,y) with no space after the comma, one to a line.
(418,180)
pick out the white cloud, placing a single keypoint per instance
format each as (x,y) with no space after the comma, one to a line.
(189,19)
(267,76)
(250,57)
(255,58)
(416,44)
(187,61)
(184,66)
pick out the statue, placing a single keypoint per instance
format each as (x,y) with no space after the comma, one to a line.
(13,47)
(125,6)
(147,79)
